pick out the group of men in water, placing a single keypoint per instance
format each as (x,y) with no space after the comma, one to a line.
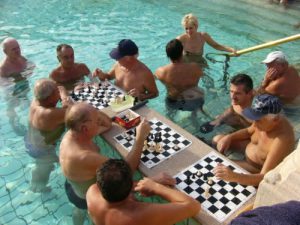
(103,185)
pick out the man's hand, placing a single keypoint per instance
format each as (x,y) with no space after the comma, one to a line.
(64,96)
(99,73)
(224,144)
(142,130)
(223,172)
(164,179)
(146,187)
(134,93)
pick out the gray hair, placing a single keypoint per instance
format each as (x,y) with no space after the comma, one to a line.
(44,88)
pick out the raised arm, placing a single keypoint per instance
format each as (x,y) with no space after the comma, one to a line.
(216,45)
(134,156)
(105,122)
(102,75)
(180,206)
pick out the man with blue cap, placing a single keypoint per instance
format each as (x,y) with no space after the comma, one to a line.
(266,142)
(129,73)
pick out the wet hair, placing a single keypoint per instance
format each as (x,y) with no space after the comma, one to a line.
(61,46)
(189,20)
(114,180)
(76,114)
(174,49)
(243,79)
(44,88)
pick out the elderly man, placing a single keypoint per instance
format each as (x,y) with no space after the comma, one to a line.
(241,95)
(281,79)
(110,200)
(46,124)
(129,73)
(266,142)
(79,155)
(181,80)
(68,73)
(14,62)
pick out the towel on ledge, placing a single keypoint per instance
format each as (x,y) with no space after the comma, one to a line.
(280,214)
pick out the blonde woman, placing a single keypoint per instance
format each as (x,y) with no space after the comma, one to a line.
(193,41)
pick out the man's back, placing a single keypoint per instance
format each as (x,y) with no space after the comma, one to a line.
(132,212)
(179,77)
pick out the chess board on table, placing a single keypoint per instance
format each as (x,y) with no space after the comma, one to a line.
(171,143)
(100,95)
(217,197)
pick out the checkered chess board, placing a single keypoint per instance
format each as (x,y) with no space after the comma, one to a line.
(172,142)
(98,95)
(222,198)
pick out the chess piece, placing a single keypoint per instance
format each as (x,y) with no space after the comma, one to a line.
(124,98)
(128,137)
(199,174)
(194,176)
(205,177)
(175,147)
(158,147)
(210,181)
(145,145)
(206,193)
(157,137)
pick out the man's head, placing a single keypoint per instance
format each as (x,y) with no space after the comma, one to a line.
(264,111)
(241,89)
(114,180)
(11,48)
(126,47)
(65,55)
(84,119)
(174,49)
(277,60)
(46,92)
(190,23)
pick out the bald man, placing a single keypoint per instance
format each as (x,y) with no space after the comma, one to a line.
(68,73)
(80,156)
(14,62)
(46,125)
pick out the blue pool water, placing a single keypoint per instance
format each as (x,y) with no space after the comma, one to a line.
(93,28)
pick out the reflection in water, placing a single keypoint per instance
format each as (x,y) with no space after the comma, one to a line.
(15,90)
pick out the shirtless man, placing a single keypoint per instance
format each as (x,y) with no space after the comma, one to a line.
(266,142)
(193,41)
(110,202)
(181,80)
(241,95)
(68,73)
(129,73)
(79,155)
(281,79)
(14,62)
(46,125)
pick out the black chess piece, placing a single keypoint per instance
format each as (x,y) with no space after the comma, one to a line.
(89,89)
(194,176)
(124,98)
(157,137)
(205,177)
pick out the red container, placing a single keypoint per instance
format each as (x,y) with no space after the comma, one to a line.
(128,119)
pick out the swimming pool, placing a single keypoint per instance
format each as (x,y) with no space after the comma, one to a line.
(93,27)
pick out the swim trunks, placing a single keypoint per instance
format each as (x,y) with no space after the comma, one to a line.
(39,151)
(73,198)
(189,100)
(185,105)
